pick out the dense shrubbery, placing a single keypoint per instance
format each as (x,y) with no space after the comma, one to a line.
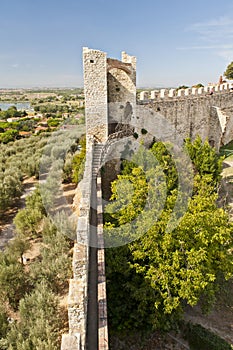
(29,157)
(229,71)
(9,131)
(10,186)
(12,113)
(205,159)
(18,159)
(54,113)
(40,320)
(32,291)
(78,162)
(31,316)
(53,122)
(57,109)
(160,272)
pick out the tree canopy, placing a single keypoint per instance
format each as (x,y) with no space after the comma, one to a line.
(161,271)
(229,71)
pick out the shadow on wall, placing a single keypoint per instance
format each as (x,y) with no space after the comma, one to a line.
(120,101)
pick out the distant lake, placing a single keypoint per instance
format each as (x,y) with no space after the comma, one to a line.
(20,105)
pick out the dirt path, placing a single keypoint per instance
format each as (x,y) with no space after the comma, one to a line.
(6,224)
(219,321)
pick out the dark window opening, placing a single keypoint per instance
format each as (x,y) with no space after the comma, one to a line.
(117,89)
(91,61)
(212,143)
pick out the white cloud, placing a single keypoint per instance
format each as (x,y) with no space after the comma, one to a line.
(223,21)
(214,34)
(214,30)
(227,55)
(206,47)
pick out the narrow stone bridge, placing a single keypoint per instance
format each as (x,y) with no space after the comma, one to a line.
(112,112)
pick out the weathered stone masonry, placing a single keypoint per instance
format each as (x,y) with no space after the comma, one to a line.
(209,116)
(110,92)
(88,199)
(77,299)
(110,104)
(95,90)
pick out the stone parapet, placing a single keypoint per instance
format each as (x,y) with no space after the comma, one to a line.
(78,286)
(189,92)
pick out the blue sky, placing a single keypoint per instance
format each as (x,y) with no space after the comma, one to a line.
(176,42)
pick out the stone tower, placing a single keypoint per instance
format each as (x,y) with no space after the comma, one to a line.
(110,92)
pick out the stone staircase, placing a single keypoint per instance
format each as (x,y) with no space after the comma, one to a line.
(97,153)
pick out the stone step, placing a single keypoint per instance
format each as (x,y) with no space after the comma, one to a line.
(96,155)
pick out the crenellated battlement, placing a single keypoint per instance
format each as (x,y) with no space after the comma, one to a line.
(189,92)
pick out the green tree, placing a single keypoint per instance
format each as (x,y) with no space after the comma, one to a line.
(184,263)
(182,87)
(204,158)
(67,168)
(18,246)
(123,283)
(229,71)
(3,323)
(198,85)
(34,201)
(165,269)
(39,323)
(13,280)
(27,221)
(12,112)
(10,186)
(78,162)
(8,136)
(55,264)
(54,122)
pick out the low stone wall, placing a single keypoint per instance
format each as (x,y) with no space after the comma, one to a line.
(78,289)
(77,299)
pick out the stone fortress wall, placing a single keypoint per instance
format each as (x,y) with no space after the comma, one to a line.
(110,104)
(96,91)
(110,100)
(88,208)
(107,83)
(110,92)
(195,112)
(121,90)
